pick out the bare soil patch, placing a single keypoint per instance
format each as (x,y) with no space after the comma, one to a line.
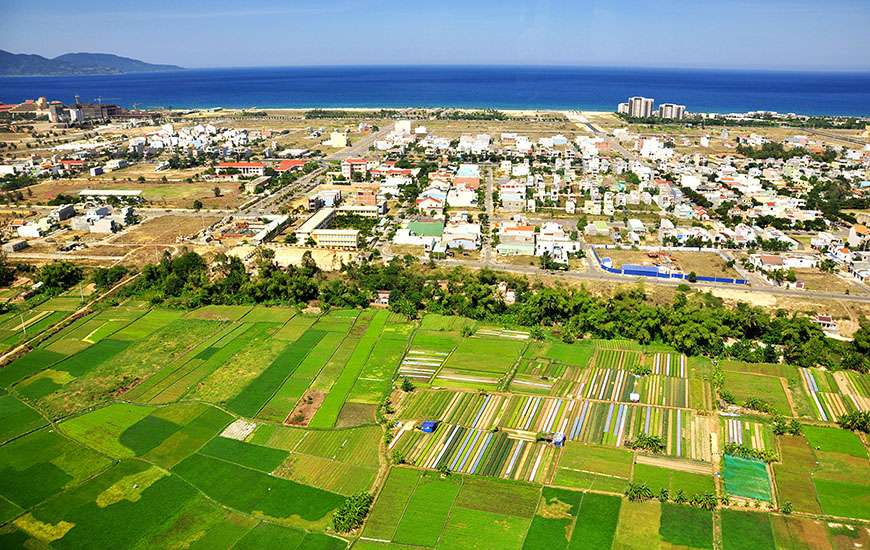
(306,407)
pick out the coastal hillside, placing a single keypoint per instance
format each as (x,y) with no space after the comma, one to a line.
(12,64)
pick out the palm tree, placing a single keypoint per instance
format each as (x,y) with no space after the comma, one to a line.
(708,501)
(680,497)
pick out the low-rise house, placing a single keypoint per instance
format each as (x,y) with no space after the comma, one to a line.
(247,169)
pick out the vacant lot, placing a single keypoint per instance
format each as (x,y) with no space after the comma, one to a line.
(706,264)
(164,229)
(170,195)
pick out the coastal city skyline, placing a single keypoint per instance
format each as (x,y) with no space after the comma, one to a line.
(721,34)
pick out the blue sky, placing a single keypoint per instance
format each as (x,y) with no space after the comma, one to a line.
(749,34)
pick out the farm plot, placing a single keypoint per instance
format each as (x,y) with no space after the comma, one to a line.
(667,364)
(428,352)
(422,509)
(828,403)
(540,375)
(250,490)
(170,376)
(746,478)
(472,451)
(446,323)
(485,355)
(684,433)
(27,365)
(376,377)
(484,411)
(16,418)
(748,433)
(638,527)
(90,330)
(590,467)
(536,414)
(386,513)
(328,413)
(163,435)
(826,472)
(60,374)
(797,396)
(260,390)
(608,384)
(341,461)
(617,359)
(281,406)
(468,379)
(553,524)
(596,522)
(113,366)
(686,527)
(793,474)
(18,329)
(174,384)
(799,533)
(42,464)
(689,480)
(744,386)
(131,505)
(746,531)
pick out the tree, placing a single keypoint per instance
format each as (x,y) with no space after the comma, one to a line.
(197,204)
(59,276)
(105,277)
(856,421)
(407,385)
(692,277)
(216,191)
(7,271)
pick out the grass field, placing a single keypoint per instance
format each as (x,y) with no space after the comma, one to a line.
(657,478)
(746,531)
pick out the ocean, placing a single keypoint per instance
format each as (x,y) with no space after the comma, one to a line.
(498,87)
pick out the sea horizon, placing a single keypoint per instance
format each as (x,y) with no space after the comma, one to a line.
(491,86)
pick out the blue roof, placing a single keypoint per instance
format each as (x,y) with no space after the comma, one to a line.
(644,268)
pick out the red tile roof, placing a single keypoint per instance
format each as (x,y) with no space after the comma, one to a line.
(289,164)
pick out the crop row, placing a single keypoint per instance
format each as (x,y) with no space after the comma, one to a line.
(479,452)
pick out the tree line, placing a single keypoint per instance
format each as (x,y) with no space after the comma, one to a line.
(693,323)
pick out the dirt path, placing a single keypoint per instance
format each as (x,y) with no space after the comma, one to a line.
(690,466)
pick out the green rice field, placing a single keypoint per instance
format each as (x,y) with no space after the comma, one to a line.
(250,426)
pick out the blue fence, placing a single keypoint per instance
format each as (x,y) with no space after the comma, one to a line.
(657,275)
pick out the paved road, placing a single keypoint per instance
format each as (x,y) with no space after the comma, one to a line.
(270,204)
(581,120)
(361,146)
(847,139)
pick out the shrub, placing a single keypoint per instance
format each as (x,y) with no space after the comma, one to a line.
(352,512)
(638,492)
(742,451)
(646,442)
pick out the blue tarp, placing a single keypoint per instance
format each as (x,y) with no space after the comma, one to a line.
(429,426)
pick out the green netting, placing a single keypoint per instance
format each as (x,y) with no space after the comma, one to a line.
(747,478)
